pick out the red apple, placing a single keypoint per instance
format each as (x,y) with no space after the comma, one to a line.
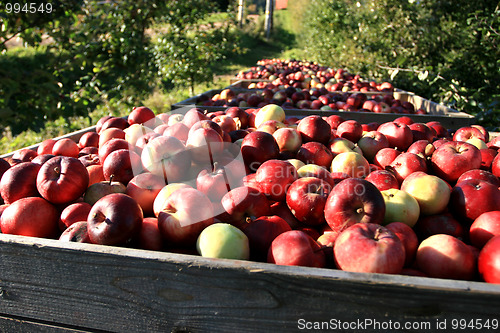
(314,128)
(480,175)
(243,202)
(30,216)
(315,153)
(150,237)
(204,144)
(114,122)
(274,177)
(487,157)
(178,130)
(385,156)
(75,212)
(110,146)
(261,232)
(409,239)
(370,143)
(369,248)
(446,257)
(19,181)
(296,248)
(435,224)
(114,220)
(144,188)
(350,130)
(354,200)
(140,115)
(65,147)
(258,147)
(186,213)
(495,166)
(467,132)
(399,135)
(110,133)
(89,139)
(122,165)
(306,199)
(484,227)
(405,164)
(288,139)
(192,116)
(76,232)
(421,131)
(24,155)
(452,159)
(239,115)
(383,179)
(489,261)
(381,107)
(62,179)
(45,147)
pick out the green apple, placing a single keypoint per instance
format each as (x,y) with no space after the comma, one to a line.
(296,163)
(400,207)
(269,112)
(432,193)
(351,163)
(223,240)
(343,145)
(480,144)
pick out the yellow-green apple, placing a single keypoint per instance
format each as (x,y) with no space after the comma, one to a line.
(62,179)
(144,188)
(165,192)
(181,219)
(166,156)
(135,131)
(446,257)
(261,232)
(65,147)
(314,128)
(122,165)
(400,207)
(351,201)
(480,174)
(258,147)
(19,181)
(484,227)
(315,153)
(409,239)
(140,115)
(472,197)
(369,248)
(350,130)
(269,112)
(399,135)
(342,145)
(453,158)
(431,192)
(75,212)
(306,198)
(405,164)
(351,163)
(114,219)
(76,232)
(383,179)
(477,142)
(243,202)
(489,261)
(296,248)
(100,189)
(223,240)
(385,156)
(370,143)
(271,126)
(274,177)
(296,163)
(288,139)
(204,144)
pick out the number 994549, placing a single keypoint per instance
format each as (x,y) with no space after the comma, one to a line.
(28,8)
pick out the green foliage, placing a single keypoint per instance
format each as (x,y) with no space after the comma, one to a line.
(447,51)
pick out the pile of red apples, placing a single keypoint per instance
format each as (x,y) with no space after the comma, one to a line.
(398,197)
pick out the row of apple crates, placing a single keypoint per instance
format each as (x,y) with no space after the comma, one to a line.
(52,286)
(448,117)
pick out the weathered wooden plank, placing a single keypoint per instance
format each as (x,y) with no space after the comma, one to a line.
(126,290)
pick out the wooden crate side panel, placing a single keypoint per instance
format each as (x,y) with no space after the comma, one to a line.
(125,290)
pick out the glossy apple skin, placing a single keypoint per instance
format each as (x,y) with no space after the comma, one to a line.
(351,163)
(30,216)
(76,212)
(315,153)
(204,144)
(89,139)
(446,257)
(480,174)
(470,198)
(144,188)
(65,147)
(62,179)
(261,232)
(110,146)
(371,142)
(484,227)
(288,139)
(431,192)
(350,130)
(405,164)
(314,128)
(409,239)
(354,200)
(114,220)
(453,158)
(122,165)
(19,181)
(76,232)
(369,248)
(296,248)
(306,199)
(258,147)
(150,237)
(489,261)
(45,147)
(140,115)
(274,177)
(385,157)
(186,213)
(243,202)
(383,179)
(399,135)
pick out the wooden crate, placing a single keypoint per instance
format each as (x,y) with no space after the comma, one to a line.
(52,286)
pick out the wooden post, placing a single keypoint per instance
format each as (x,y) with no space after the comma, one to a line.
(241,10)
(269,17)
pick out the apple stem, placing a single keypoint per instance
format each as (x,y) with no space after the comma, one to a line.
(57,170)
(378,232)
(248,219)
(111,179)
